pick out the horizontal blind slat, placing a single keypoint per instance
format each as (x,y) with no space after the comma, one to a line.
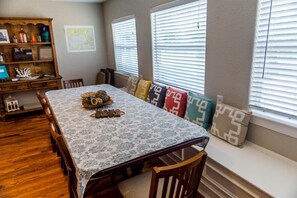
(125,46)
(179,45)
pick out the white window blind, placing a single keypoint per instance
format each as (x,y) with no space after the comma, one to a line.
(179,35)
(125,45)
(274,76)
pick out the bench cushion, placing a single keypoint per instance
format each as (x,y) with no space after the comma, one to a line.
(157,95)
(132,84)
(198,110)
(230,124)
(176,101)
(143,89)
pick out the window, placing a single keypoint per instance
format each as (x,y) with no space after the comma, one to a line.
(125,45)
(274,76)
(179,34)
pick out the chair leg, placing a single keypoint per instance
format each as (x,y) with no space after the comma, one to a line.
(63,167)
(52,139)
(58,152)
(54,147)
(137,169)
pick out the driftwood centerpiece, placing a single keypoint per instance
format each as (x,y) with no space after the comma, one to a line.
(91,100)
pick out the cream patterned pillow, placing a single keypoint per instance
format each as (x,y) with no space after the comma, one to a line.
(230,124)
(132,84)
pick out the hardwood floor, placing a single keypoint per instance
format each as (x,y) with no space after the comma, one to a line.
(28,167)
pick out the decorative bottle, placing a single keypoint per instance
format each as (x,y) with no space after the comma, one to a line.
(15,39)
(33,39)
(23,36)
(45,34)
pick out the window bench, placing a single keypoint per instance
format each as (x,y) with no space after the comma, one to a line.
(250,171)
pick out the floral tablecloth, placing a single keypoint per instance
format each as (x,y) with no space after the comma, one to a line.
(98,144)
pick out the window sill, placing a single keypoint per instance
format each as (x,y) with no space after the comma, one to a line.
(274,122)
(121,75)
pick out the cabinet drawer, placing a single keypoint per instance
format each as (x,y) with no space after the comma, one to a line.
(44,84)
(15,88)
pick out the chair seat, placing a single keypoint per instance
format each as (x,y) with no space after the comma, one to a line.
(177,180)
(139,186)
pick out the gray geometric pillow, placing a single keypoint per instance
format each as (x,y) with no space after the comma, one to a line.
(230,124)
(132,84)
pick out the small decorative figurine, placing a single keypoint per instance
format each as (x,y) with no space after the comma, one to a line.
(15,39)
(2,57)
(11,104)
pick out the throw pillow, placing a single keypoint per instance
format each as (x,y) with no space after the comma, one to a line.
(198,109)
(132,84)
(175,102)
(143,89)
(230,124)
(157,95)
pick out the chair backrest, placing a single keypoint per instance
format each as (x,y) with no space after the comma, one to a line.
(72,181)
(73,83)
(42,100)
(45,107)
(54,131)
(67,159)
(48,114)
(100,79)
(180,180)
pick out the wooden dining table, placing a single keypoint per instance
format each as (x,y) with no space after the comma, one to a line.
(105,145)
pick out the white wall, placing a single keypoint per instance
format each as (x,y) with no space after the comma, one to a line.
(229,48)
(71,65)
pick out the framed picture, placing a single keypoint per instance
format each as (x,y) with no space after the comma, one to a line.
(45,53)
(80,38)
(4,38)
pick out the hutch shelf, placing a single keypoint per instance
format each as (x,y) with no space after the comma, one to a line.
(42,59)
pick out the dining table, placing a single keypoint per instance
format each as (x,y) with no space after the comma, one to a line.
(98,146)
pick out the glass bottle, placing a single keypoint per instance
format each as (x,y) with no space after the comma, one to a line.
(2,57)
(33,39)
(23,36)
(15,39)
(38,38)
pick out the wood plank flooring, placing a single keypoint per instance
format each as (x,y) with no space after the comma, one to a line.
(28,167)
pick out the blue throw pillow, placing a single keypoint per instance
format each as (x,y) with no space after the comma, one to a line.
(198,110)
(157,95)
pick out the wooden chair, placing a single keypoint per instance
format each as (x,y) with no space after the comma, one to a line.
(73,83)
(179,180)
(100,79)
(41,99)
(70,168)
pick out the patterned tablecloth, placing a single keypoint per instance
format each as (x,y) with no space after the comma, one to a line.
(98,144)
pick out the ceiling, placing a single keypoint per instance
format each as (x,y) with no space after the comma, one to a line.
(81,1)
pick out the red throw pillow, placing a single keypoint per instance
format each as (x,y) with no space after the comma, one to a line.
(176,102)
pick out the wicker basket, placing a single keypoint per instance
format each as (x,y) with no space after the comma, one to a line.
(87,105)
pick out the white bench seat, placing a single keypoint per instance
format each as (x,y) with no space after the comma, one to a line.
(267,171)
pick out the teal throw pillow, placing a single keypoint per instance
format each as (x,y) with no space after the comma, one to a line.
(198,110)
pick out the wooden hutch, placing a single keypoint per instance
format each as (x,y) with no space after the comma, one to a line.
(43,67)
